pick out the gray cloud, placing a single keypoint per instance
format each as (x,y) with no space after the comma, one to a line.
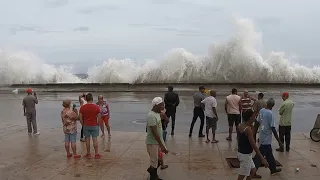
(17,29)
(81,28)
(97,9)
(56,3)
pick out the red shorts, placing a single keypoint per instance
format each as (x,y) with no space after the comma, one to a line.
(104,119)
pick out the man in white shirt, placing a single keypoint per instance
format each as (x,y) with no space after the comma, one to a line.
(210,104)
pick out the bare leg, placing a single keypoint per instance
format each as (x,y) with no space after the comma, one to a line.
(108,128)
(102,128)
(207,133)
(230,133)
(88,144)
(252,174)
(95,145)
(67,147)
(214,135)
(74,148)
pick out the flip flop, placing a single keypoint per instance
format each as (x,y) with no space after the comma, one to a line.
(88,156)
(69,156)
(215,141)
(76,156)
(207,141)
(164,167)
(97,156)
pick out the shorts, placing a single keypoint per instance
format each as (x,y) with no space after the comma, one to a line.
(246,164)
(70,137)
(104,119)
(153,151)
(90,131)
(234,119)
(211,122)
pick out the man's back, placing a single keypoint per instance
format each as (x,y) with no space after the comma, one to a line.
(209,103)
(259,104)
(90,113)
(267,122)
(286,112)
(30,103)
(233,101)
(197,98)
(171,99)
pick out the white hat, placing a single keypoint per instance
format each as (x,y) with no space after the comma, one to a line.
(156,101)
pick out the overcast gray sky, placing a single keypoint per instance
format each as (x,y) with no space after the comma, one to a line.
(70,31)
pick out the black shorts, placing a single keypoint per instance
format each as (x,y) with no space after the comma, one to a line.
(211,122)
(234,119)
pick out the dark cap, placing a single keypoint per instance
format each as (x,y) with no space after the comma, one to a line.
(201,87)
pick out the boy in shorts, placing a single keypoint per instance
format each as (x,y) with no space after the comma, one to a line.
(89,116)
(69,119)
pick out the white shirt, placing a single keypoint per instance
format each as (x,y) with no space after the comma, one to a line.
(233,104)
(209,103)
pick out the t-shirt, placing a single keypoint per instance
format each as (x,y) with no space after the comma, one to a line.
(267,122)
(209,103)
(153,119)
(197,98)
(89,113)
(233,101)
(259,104)
(286,112)
(30,103)
(104,108)
(68,121)
(246,103)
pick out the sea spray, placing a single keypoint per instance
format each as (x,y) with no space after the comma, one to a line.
(234,61)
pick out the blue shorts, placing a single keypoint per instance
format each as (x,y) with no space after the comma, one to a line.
(70,137)
(90,131)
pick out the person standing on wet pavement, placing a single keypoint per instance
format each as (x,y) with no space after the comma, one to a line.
(82,101)
(267,127)
(171,102)
(29,111)
(246,101)
(154,138)
(233,108)
(198,111)
(285,112)
(257,106)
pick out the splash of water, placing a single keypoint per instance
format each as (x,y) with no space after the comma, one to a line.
(236,60)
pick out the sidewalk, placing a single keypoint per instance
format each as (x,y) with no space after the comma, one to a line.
(24,157)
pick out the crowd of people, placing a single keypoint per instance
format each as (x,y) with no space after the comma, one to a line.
(247,114)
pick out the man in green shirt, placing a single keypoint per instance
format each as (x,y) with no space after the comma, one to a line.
(154,138)
(285,112)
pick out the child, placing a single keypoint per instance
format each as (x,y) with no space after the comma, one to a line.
(69,119)
(164,122)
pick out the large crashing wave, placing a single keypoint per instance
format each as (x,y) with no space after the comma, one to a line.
(234,61)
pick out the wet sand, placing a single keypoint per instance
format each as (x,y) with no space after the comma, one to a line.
(129,110)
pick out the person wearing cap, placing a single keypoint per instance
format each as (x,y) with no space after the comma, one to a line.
(154,138)
(198,110)
(29,110)
(285,112)
(171,102)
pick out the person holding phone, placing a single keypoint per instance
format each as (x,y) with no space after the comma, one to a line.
(29,111)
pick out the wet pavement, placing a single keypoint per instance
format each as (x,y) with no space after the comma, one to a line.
(124,157)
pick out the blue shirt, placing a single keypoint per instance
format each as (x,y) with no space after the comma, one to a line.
(267,122)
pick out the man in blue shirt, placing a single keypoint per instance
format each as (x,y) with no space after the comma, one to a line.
(267,128)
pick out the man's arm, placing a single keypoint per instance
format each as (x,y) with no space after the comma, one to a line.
(81,118)
(24,107)
(282,109)
(273,128)
(164,117)
(215,112)
(226,106)
(165,99)
(177,100)
(240,106)
(157,137)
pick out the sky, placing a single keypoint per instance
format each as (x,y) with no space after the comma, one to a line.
(82,32)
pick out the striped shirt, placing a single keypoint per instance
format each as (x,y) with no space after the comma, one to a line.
(246,103)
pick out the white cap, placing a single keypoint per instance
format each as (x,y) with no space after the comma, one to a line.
(156,101)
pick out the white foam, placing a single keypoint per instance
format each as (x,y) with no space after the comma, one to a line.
(236,60)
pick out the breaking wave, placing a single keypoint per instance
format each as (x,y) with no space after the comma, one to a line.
(234,61)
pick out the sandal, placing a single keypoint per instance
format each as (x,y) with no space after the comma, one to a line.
(88,156)
(69,155)
(164,167)
(76,156)
(207,141)
(97,156)
(214,141)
